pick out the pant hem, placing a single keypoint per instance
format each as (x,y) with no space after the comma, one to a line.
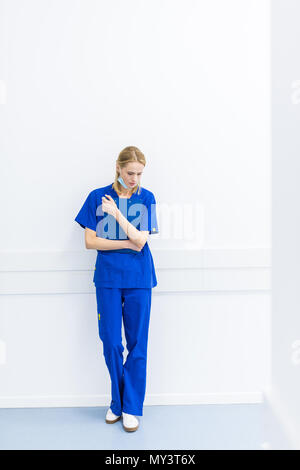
(133,412)
(119,413)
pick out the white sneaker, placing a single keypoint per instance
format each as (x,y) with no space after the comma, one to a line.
(111,417)
(130,422)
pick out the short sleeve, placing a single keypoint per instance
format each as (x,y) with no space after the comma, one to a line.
(86,217)
(149,216)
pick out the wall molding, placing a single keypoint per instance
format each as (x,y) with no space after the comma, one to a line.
(178,270)
(36,401)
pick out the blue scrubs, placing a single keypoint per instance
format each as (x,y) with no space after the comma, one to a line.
(128,381)
(124,279)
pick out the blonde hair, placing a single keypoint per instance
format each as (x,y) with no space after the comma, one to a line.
(128,154)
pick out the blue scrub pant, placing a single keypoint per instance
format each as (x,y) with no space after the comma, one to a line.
(128,381)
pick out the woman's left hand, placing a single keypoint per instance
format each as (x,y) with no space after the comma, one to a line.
(109,205)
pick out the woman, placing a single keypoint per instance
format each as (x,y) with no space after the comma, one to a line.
(118,219)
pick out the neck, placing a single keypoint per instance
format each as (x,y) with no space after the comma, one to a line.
(125,193)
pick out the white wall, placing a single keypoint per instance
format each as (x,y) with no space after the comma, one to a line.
(188,83)
(284,392)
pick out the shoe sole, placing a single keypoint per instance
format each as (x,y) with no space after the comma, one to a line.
(130,429)
(113,421)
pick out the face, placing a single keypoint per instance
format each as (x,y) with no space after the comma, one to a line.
(132,173)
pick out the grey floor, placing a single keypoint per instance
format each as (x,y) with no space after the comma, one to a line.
(235,426)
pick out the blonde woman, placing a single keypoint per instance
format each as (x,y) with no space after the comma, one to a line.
(117,219)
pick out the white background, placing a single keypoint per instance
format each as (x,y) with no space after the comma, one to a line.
(189,84)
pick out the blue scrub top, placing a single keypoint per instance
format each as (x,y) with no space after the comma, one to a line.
(124,267)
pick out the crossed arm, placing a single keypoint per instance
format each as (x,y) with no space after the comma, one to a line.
(99,243)
(137,238)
